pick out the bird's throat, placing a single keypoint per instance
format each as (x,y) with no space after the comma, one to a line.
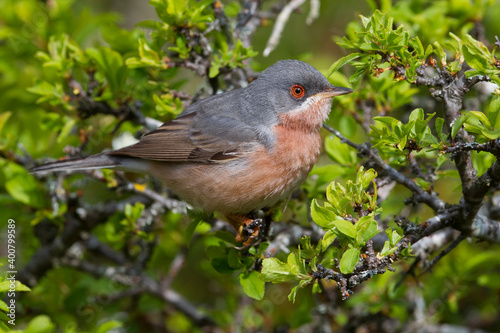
(309,117)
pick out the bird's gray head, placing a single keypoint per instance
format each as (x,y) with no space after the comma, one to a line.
(288,84)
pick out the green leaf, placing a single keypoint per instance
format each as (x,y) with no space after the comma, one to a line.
(345,227)
(233,259)
(275,271)
(134,212)
(293,294)
(112,66)
(252,285)
(477,54)
(18,286)
(417,114)
(109,325)
(349,260)
(364,20)
(418,46)
(4,116)
(385,249)
(52,94)
(3,306)
(489,280)
(491,135)
(394,236)
(387,120)
(367,177)
(214,70)
(402,142)
(70,122)
(367,228)
(222,266)
(482,118)
(493,112)
(341,62)
(295,264)
(440,53)
(190,230)
(196,217)
(340,152)
(457,125)
(316,289)
(24,188)
(322,216)
(328,239)
(438,125)
(40,324)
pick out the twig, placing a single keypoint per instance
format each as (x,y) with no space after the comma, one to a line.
(121,275)
(448,249)
(281,20)
(44,257)
(313,12)
(419,194)
(175,206)
(93,244)
(174,269)
(363,271)
(491,147)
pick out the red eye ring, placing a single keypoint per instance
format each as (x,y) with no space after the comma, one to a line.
(297,91)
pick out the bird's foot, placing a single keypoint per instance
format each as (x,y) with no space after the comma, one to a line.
(247,229)
(248,232)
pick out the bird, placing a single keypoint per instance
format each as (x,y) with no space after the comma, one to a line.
(235,152)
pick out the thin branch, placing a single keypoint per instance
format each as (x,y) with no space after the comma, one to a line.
(175,206)
(490,147)
(174,269)
(94,245)
(144,282)
(44,257)
(280,25)
(364,270)
(313,12)
(448,249)
(439,222)
(419,194)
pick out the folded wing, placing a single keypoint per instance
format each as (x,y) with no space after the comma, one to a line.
(191,138)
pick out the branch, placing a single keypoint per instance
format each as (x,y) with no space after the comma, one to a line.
(146,283)
(280,25)
(419,194)
(43,259)
(452,90)
(87,107)
(441,254)
(370,264)
(95,246)
(492,147)
(313,12)
(485,229)
(489,180)
(175,206)
(473,198)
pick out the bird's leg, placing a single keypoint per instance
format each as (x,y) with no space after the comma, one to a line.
(247,229)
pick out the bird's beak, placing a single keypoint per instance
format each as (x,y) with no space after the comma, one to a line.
(334,91)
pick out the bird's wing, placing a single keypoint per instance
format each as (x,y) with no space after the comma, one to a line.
(192,138)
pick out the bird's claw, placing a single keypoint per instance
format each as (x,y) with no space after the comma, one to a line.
(247,232)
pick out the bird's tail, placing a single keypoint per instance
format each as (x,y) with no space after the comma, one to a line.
(87,163)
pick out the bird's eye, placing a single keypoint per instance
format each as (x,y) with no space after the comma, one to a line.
(297,91)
